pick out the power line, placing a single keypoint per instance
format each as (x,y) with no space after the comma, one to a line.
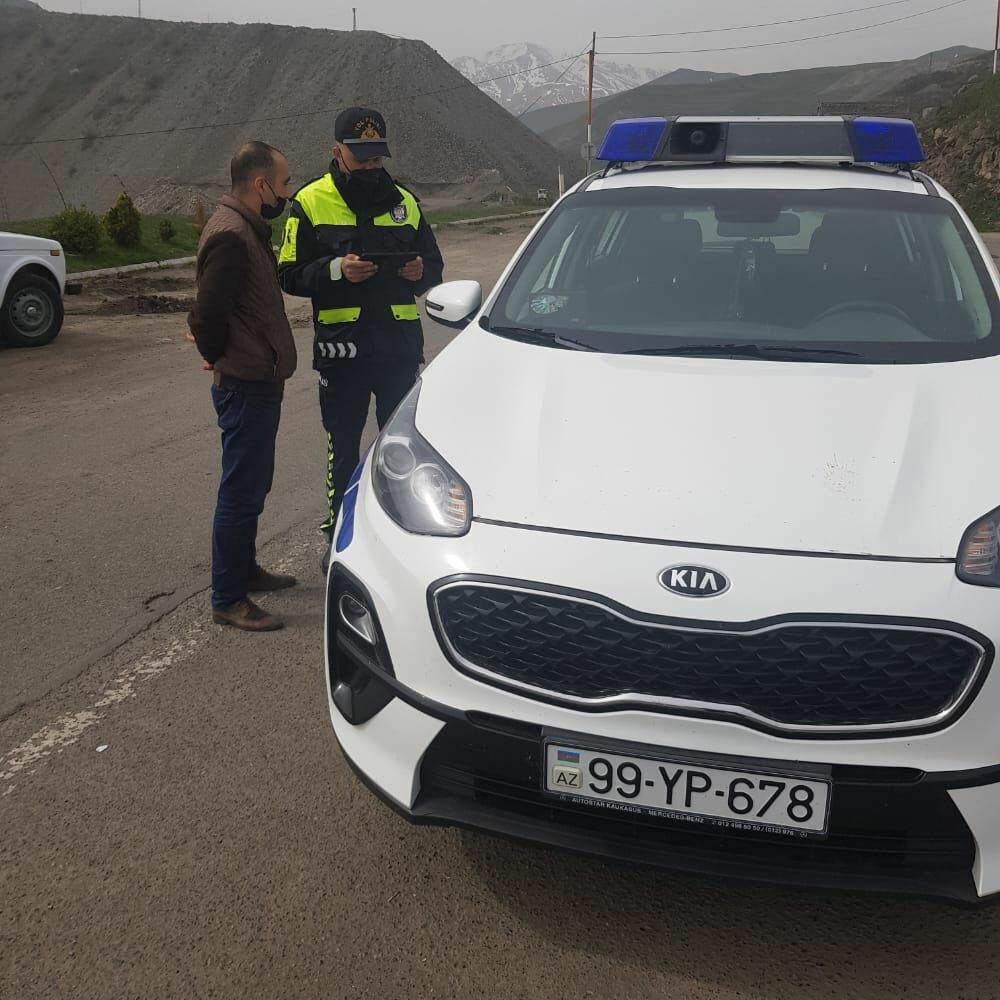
(520,72)
(788,41)
(274,118)
(555,82)
(765,24)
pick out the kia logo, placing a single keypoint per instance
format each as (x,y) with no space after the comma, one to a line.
(694,581)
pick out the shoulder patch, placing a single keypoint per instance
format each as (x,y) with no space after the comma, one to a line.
(399,213)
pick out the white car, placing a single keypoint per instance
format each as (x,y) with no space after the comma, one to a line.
(686,550)
(32,284)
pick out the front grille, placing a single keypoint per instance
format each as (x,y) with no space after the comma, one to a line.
(900,834)
(792,675)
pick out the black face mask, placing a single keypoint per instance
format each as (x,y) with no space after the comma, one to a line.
(369,185)
(367,192)
(270,212)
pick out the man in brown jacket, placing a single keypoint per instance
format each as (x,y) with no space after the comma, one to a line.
(242,332)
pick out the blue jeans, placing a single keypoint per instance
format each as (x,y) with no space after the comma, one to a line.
(249,426)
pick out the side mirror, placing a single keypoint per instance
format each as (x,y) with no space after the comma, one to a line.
(455,302)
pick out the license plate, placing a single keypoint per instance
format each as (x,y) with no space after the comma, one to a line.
(747,800)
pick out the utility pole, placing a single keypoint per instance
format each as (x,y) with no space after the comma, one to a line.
(590,100)
(354,11)
(140,8)
(996,40)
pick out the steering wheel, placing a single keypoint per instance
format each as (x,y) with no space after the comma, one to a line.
(864,305)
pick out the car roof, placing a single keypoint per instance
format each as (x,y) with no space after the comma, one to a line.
(771,177)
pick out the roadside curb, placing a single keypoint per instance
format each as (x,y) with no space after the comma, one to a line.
(490,218)
(156,265)
(152,265)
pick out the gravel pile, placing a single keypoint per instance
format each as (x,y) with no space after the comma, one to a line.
(87,76)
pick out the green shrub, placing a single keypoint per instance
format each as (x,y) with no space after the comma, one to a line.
(167,231)
(78,230)
(122,222)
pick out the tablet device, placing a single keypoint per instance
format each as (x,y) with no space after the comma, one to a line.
(389,258)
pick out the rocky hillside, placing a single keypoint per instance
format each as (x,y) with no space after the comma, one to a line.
(794,92)
(540,84)
(963,146)
(543,119)
(86,78)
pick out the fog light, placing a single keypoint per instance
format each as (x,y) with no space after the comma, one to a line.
(357,618)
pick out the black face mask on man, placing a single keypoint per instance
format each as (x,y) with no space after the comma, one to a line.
(270,212)
(369,185)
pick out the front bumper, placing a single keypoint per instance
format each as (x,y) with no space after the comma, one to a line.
(892,829)
(912,812)
(889,832)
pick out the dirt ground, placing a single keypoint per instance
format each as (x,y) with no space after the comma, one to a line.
(176,819)
(108,442)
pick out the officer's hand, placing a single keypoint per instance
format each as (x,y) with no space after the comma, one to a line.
(413,270)
(356,270)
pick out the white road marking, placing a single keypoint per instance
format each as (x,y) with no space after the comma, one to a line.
(68,729)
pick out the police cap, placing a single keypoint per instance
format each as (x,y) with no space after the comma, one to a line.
(362,131)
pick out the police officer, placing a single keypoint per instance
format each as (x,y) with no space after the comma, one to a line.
(357,244)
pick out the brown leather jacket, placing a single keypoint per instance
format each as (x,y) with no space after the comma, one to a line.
(239,321)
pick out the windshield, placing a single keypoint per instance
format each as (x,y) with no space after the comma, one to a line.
(845,275)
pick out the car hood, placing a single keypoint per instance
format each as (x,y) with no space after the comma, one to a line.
(19,243)
(892,460)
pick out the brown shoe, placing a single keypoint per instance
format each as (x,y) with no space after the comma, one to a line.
(247,616)
(261,581)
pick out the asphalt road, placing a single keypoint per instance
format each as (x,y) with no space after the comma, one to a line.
(176,818)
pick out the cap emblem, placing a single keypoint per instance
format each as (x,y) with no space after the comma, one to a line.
(367,129)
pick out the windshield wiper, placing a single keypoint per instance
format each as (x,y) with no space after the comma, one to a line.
(536,335)
(743,350)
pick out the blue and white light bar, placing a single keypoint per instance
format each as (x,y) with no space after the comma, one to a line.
(891,141)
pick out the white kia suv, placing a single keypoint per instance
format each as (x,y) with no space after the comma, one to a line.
(685,551)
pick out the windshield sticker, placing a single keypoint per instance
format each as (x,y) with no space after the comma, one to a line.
(546,305)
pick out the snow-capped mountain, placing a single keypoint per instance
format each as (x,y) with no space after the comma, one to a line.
(538,83)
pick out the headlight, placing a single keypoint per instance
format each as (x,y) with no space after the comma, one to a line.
(979,554)
(416,487)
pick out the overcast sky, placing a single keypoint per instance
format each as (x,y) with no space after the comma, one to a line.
(457,28)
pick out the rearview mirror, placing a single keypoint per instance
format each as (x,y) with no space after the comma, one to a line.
(786,224)
(455,302)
